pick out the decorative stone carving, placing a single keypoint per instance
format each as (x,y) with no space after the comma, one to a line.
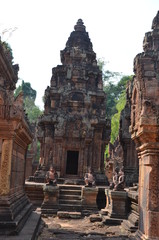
(144,129)
(123,152)
(130,158)
(7,147)
(74,127)
(15,135)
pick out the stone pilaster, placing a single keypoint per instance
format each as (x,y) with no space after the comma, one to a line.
(89,197)
(6,160)
(148,191)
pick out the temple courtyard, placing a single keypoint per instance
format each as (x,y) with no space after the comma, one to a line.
(90,227)
(72,194)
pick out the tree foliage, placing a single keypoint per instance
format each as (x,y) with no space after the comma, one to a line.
(29,95)
(116,117)
(27,90)
(32,110)
(115,90)
(113,93)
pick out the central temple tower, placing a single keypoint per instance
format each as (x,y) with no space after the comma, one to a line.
(74,129)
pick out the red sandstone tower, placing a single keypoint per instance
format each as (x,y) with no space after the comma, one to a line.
(73,129)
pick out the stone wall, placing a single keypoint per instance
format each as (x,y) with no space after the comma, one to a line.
(15,136)
(144,130)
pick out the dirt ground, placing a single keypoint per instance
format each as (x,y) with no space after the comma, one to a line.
(75,229)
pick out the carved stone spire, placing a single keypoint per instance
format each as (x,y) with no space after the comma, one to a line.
(151,39)
(155,22)
(78,42)
(79,26)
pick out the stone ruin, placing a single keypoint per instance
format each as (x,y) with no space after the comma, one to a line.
(73,131)
(74,127)
(144,131)
(123,152)
(32,154)
(130,158)
(15,136)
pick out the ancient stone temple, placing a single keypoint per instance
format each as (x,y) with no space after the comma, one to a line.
(73,129)
(123,151)
(15,136)
(145,131)
(130,158)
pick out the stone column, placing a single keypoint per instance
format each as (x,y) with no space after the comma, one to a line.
(148,191)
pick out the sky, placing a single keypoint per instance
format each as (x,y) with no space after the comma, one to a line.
(39,29)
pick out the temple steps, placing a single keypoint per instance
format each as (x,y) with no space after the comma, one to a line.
(70,207)
(70,198)
(65,192)
(29,230)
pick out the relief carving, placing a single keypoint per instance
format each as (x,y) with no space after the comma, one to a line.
(5,171)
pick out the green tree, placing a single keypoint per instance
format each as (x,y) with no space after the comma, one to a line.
(113,92)
(29,95)
(116,117)
(28,91)
(32,110)
(111,89)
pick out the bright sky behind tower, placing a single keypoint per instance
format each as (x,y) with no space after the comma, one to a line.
(116,29)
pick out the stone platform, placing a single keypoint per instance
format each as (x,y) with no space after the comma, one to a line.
(29,231)
(69,197)
(116,204)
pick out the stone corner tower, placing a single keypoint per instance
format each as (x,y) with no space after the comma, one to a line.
(73,130)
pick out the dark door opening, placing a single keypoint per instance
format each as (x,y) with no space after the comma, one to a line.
(72,162)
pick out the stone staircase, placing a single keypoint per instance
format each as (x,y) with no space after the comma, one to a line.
(70,198)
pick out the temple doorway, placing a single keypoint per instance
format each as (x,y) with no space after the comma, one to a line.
(72,162)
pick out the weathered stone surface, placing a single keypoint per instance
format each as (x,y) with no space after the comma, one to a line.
(130,158)
(35,193)
(73,215)
(123,152)
(117,204)
(30,229)
(51,199)
(31,159)
(89,196)
(144,129)
(81,229)
(131,224)
(15,136)
(95,218)
(73,130)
